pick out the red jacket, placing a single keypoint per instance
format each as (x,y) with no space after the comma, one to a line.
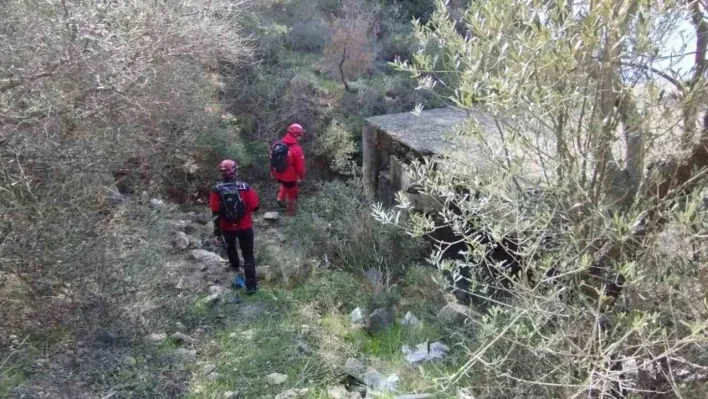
(251,201)
(296,162)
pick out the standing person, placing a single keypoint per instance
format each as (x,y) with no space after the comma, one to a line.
(287,166)
(231,202)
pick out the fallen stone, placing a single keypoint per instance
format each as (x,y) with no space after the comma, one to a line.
(425,352)
(280,236)
(180,240)
(214,376)
(186,354)
(208,369)
(379,320)
(182,338)
(207,258)
(465,393)
(156,202)
(293,394)
(355,368)
(157,337)
(453,313)
(177,225)
(179,326)
(340,392)
(270,216)
(230,395)
(372,378)
(216,289)
(357,316)
(195,242)
(410,320)
(180,284)
(276,379)
(201,218)
(304,348)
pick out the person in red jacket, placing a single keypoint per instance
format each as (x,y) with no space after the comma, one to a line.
(232,202)
(288,166)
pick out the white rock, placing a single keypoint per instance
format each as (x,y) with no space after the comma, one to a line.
(157,337)
(270,216)
(410,320)
(180,240)
(157,202)
(207,258)
(211,299)
(293,394)
(357,316)
(208,369)
(422,353)
(216,289)
(180,284)
(276,379)
(229,395)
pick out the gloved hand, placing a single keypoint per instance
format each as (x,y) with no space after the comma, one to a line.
(217,232)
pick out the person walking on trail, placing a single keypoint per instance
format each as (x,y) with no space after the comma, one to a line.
(232,202)
(287,166)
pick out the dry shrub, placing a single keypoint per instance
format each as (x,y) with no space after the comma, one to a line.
(84,87)
(350,50)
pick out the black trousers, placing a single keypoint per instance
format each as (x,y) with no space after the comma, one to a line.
(245,241)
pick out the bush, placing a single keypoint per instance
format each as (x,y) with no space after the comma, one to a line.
(336,144)
(336,222)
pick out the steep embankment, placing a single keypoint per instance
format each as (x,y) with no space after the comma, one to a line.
(183,332)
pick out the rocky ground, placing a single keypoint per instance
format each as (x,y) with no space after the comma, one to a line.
(312,331)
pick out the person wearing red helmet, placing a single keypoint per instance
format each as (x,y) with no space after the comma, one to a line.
(232,202)
(287,166)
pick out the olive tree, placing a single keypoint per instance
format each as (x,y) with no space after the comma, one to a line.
(596,161)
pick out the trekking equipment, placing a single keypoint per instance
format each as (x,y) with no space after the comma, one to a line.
(279,157)
(296,130)
(231,206)
(228,168)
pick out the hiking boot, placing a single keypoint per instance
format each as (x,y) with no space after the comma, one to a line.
(251,291)
(281,204)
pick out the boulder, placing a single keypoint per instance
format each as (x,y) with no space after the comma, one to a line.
(379,320)
(207,258)
(157,337)
(180,240)
(425,352)
(410,320)
(355,368)
(276,379)
(270,216)
(357,316)
(453,313)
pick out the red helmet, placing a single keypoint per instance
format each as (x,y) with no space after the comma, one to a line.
(296,130)
(228,168)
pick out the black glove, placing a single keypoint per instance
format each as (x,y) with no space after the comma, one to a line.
(217,232)
(217,224)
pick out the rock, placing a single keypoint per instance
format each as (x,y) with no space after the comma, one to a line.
(186,354)
(230,395)
(293,394)
(130,361)
(372,378)
(465,393)
(157,337)
(211,299)
(180,240)
(217,289)
(357,316)
(179,326)
(304,348)
(410,320)
(201,218)
(195,242)
(182,338)
(280,236)
(355,368)
(248,334)
(180,284)
(208,369)
(425,352)
(214,376)
(177,225)
(340,392)
(453,313)
(113,196)
(379,320)
(265,273)
(157,203)
(272,216)
(207,258)
(276,379)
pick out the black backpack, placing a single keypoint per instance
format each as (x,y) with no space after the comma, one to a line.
(279,157)
(231,206)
